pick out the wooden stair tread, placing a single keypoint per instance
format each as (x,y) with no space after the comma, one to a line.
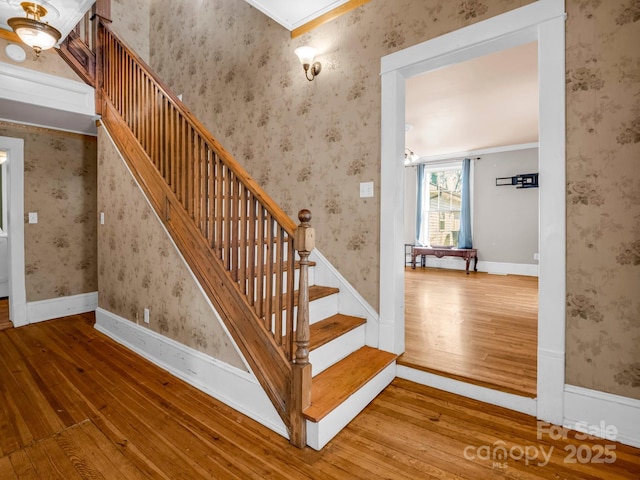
(330,328)
(316,292)
(338,382)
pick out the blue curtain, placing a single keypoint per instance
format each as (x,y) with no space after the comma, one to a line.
(464,237)
(419,201)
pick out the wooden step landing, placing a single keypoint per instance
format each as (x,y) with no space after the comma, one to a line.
(337,383)
(333,327)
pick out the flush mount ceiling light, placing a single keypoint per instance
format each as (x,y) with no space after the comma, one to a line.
(306,55)
(38,35)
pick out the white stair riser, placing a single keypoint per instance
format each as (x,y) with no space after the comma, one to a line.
(318,310)
(323,357)
(319,434)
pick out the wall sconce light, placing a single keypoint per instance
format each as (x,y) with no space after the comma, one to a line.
(409,156)
(38,35)
(306,56)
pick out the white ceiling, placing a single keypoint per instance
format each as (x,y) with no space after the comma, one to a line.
(61,14)
(292,14)
(491,101)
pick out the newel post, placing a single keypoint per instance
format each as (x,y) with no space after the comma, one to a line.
(304,241)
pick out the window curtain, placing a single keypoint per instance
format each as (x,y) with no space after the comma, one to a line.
(464,237)
(419,203)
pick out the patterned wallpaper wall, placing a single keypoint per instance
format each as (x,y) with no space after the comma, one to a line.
(310,144)
(140,268)
(60,185)
(603,195)
(131,23)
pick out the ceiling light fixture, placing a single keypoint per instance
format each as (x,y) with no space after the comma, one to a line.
(306,55)
(409,156)
(35,33)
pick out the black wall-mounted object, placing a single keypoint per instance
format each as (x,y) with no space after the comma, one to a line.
(524,180)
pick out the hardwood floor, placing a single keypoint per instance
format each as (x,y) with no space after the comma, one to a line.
(74,404)
(478,328)
(4,314)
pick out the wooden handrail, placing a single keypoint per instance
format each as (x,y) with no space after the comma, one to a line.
(236,239)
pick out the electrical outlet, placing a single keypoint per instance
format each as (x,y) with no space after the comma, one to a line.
(146,315)
(33,217)
(101,218)
(536,256)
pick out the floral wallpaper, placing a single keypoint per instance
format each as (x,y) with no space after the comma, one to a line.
(139,267)
(48,62)
(131,23)
(60,185)
(310,144)
(603,195)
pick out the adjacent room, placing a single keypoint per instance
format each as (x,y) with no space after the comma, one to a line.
(471,221)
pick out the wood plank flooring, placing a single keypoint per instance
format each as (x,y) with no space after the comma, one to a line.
(4,314)
(73,404)
(478,328)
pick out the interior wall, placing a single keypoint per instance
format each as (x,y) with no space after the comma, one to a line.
(60,186)
(139,266)
(310,144)
(505,219)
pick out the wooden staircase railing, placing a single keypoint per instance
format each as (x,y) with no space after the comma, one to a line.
(240,245)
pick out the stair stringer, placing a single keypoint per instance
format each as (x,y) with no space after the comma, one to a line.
(232,386)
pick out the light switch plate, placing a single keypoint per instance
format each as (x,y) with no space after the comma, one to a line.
(366,189)
(101,218)
(33,217)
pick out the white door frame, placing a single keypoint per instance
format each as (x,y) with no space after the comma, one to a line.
(15,229)
(543,21)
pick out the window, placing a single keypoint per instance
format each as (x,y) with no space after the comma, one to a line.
(441,207)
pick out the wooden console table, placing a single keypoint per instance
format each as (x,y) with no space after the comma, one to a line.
(466,253)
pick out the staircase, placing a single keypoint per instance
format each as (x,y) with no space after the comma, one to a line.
(311,346)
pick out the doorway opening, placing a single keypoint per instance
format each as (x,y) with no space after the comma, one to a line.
(481,327)
(13,306)
(542,22)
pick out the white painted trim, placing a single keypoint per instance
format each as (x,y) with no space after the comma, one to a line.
(319,434)
(350,302)
(331,353)
(498,268)
(232,386)
(51,127)
(41,89)
(543,21)
(507,400)
(292,22)
(43,310)
(591,411)
(15,227)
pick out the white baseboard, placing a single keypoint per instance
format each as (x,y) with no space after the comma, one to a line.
(594,412)
(232,386)
(61,307)
(498,268)
(494,397)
